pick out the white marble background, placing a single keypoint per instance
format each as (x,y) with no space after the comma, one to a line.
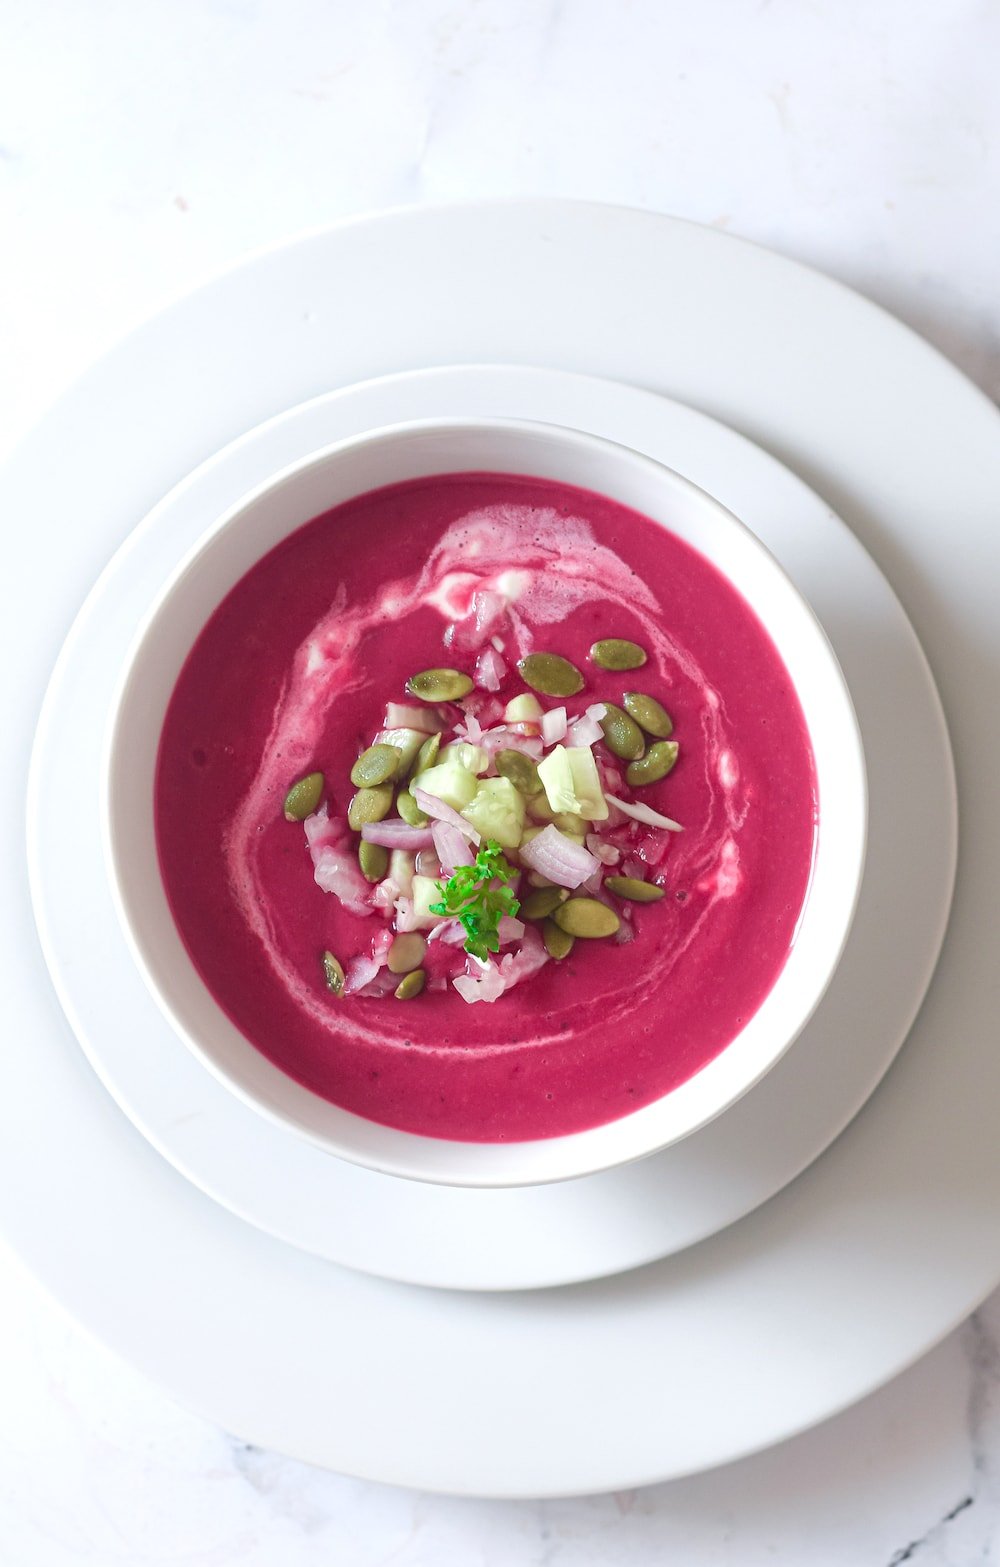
(146,143)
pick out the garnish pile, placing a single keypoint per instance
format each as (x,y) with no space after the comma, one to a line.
(488,835)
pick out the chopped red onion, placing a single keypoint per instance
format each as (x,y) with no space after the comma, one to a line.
(644,813)
(623,935)
(554,725)
(450,932)
(611,779)
(586,730)
(558,858)
(509,929)
(382,985)
(484,984)
(381,942)
(335,866)
(490,670)
(322,829)
(406,919)
(452,846)
(432,806)
(428,864)
(469,729)
(605,852)
(592,885)
(360,972)
(385,895)
(518,966)
(652,846)
(394,833)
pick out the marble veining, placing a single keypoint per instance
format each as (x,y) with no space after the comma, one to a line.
(143,147)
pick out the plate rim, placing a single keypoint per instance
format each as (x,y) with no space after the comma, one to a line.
(983,409)
(42,749)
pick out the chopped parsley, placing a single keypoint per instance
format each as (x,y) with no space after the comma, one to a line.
(476,897)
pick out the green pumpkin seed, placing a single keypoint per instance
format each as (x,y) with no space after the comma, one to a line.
(369,805)
(615,653)
(622,734)
(333,974)
(632,889)
(409,810)
(374,861)
(538,905)
(550,674)
(303,797)
(439,685)
(648,714)
(411,986)
(558,942)
(427,755)
(586,917)
(656,764)
(520,770)
(406,953)
(375,766)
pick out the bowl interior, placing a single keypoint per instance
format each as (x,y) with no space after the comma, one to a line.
(239,539)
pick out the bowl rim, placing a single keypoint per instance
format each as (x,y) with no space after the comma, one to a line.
(408,1157)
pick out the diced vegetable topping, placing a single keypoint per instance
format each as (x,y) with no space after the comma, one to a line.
(474,807)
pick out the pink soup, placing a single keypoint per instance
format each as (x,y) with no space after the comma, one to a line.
(292,675)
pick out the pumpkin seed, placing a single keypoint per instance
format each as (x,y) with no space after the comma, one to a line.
(374,860)
(375,766)
(439,685)
(586,917)
(520,770)
(656,764)
(303,797)
(616,653)
(369,805)
(632,889)
(648,714)
(409,810)
(427,755)
(406,953)
(622,734)
(538,905)
(333,974)
(558,942)
(550,674)
(411,986)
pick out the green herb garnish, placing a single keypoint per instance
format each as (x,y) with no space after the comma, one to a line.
(476,898)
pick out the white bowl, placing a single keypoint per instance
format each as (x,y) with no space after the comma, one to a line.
(240,538)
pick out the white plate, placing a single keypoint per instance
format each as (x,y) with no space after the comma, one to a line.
(877,1250)
(604,1223)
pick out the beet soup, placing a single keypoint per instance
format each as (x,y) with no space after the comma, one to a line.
(571,861)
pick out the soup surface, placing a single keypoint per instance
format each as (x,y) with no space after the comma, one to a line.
(306,663)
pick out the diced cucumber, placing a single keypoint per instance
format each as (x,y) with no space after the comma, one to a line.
(424,892)
(572,783)
(472,757)
(524,709)
(450,782)
(401,867)
(497,812)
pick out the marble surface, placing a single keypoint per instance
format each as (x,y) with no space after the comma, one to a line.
(142,147)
